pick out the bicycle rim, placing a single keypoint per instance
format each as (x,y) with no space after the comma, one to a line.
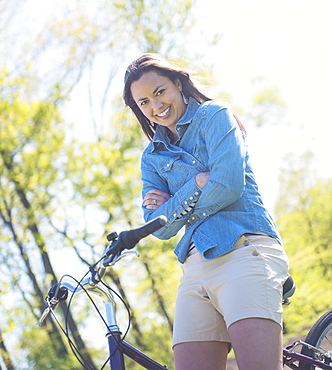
(320,336)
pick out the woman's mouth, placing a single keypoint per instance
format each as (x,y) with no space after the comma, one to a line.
(164,113)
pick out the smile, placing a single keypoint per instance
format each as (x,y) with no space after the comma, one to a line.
(163,114)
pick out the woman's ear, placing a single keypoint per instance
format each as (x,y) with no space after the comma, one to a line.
(178,84)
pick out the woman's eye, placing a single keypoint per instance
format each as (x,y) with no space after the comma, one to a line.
(160,92)
(144,102)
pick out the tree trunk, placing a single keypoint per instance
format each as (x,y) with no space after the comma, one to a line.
(5,354)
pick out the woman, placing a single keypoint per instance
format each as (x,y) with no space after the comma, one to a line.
(196,172)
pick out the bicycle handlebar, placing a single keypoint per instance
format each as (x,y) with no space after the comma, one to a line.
(126,240)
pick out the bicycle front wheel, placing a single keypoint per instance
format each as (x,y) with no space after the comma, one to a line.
(320,336)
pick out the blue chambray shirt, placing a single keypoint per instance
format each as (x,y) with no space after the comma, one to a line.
(228,206)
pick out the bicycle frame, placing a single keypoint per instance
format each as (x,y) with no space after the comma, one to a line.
(119,348)
(289,357)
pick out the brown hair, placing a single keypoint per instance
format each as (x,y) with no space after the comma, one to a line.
(154,62)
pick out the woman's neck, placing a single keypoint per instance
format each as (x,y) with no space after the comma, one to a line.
(174,137)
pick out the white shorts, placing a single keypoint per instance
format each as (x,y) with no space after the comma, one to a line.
(244,283)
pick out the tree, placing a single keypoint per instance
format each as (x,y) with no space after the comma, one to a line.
(304,212)
(31,138)
(268,106)
(59,195)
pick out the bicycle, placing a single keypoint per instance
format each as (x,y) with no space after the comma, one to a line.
(314,354)
(316,350)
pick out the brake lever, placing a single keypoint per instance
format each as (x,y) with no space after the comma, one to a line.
(43,316)
(56,294)
(49,306)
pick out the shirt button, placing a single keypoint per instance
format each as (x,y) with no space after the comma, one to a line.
(204,214)
(194,162)
(168,164)
(246,242)
(174,214)
(193,218)
(255,253)
(197,193)
(191,198)
(185,202)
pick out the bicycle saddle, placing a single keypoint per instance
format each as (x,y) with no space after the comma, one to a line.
(288,289)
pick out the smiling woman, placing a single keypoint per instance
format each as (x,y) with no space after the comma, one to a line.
(196,171)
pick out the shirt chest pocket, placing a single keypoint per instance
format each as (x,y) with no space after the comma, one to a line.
(175,172)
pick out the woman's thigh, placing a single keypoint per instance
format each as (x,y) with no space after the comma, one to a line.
(209,355)
(257,344)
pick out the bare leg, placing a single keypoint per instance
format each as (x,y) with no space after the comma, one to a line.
(257,344)
(201,355)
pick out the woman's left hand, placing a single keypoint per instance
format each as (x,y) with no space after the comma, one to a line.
(155,198)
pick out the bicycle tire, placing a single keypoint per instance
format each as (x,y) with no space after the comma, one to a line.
(320,336)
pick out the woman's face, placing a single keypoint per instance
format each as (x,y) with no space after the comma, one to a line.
(159,99)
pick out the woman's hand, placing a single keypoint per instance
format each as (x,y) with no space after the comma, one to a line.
(202,179)
(155,198)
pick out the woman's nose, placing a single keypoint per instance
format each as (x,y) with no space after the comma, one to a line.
(156,104)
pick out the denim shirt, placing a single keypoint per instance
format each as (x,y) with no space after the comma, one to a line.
(228,206)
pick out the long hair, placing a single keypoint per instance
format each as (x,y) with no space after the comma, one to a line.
(154,62)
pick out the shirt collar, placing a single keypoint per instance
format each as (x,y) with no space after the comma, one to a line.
(161,134)
(190,112)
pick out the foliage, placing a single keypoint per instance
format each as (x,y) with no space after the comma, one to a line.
(268,105)
(153,24)
(60,196)
(35,344)
(31,152)
(305,221)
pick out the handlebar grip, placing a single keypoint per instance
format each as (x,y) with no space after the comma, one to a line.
(132,237)
(128,239)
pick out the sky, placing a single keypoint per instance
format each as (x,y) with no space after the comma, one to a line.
(290,44)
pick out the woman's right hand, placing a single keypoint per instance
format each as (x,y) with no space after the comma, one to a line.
(202,179)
